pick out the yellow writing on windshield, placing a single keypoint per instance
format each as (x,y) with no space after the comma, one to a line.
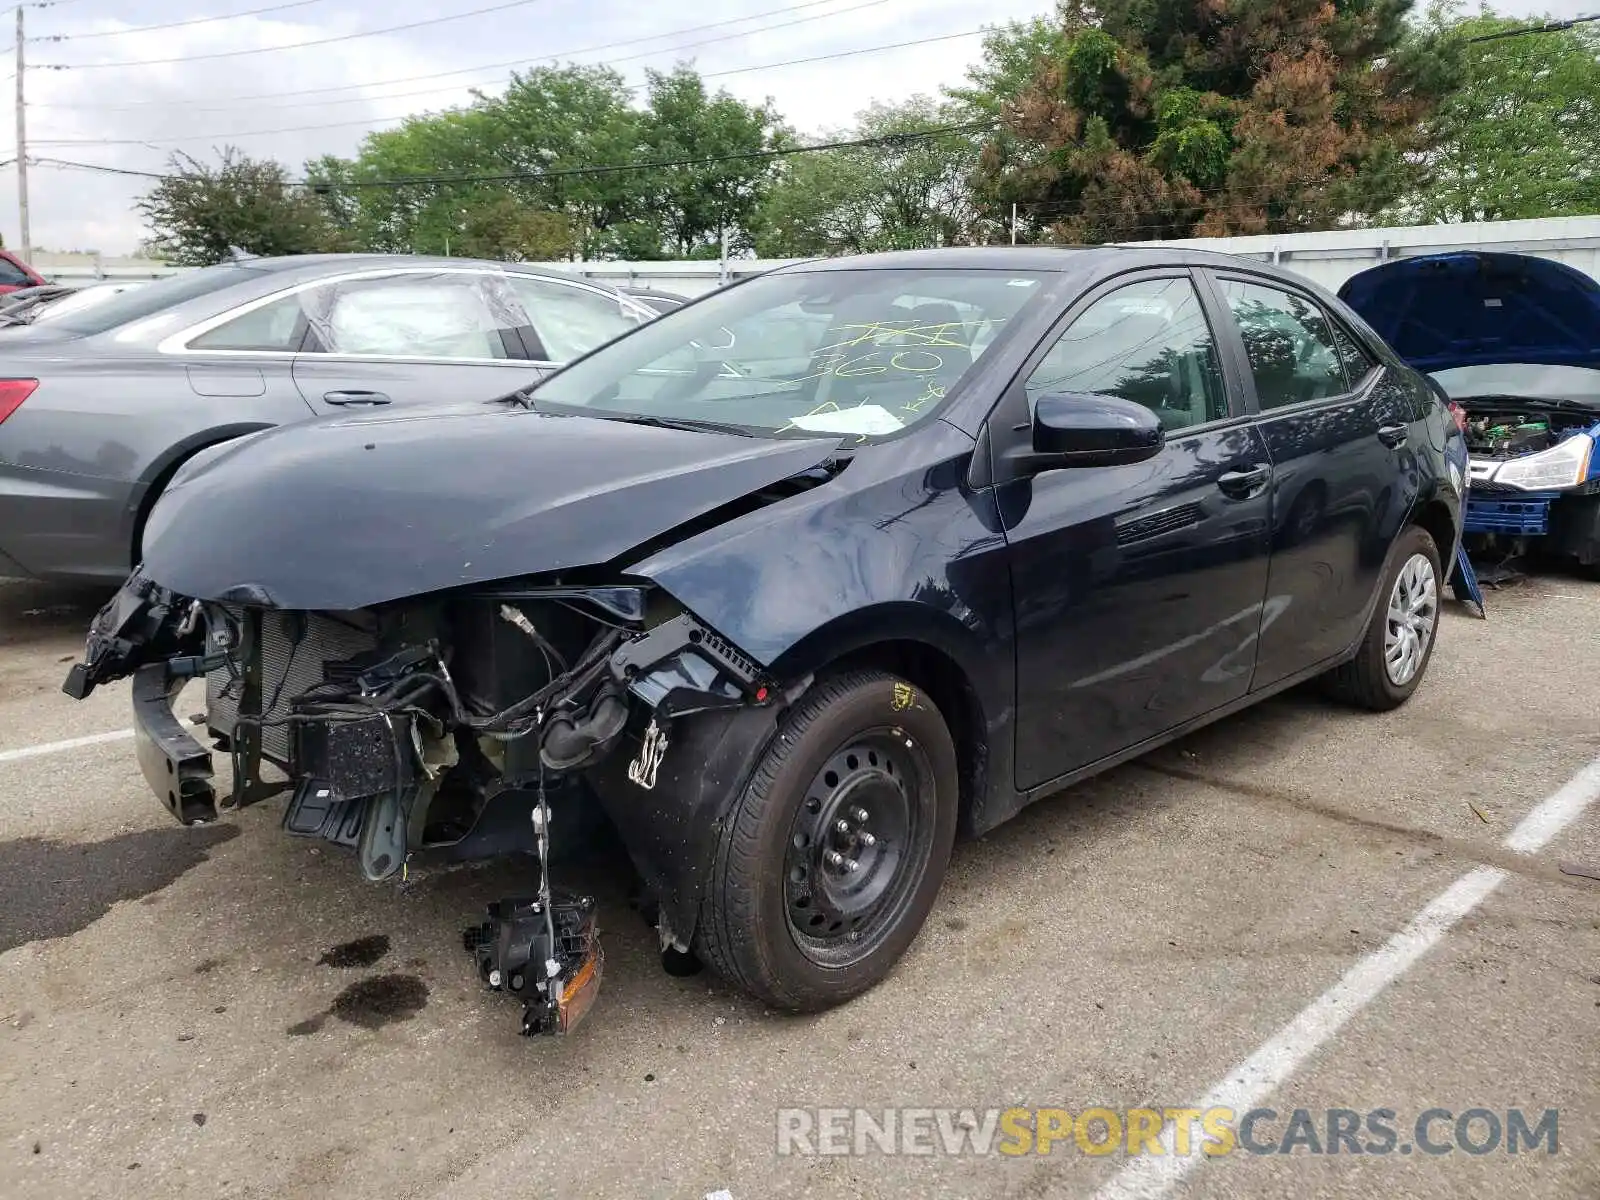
(878,332)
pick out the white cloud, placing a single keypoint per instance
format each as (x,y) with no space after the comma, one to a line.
(131,117)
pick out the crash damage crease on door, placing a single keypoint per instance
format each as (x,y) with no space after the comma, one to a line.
(424,672)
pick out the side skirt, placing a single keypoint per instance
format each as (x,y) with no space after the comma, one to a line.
(1248,700)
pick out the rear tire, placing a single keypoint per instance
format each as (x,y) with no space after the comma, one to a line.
(1393,656)
(829,862)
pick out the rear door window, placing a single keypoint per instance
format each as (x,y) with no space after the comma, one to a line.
(570,320)
(1357,361)
(1290,344)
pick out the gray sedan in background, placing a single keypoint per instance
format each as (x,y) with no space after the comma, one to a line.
(99,407)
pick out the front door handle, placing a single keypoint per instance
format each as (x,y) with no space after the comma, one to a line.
(1241,485)
(355,398)
(1391,435)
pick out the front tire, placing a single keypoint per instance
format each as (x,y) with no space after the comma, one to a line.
(1395,650)
(829,863)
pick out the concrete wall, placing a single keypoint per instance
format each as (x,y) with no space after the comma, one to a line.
(1331,258)
(1328,258)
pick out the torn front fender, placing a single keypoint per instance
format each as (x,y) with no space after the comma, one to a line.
(669,786)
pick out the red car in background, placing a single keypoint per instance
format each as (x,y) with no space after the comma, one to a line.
(16,274)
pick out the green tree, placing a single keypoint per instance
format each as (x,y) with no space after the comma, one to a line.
(695,204)
(1519,136)
(565,121)
(549,146)
(899,194)
(1170,118)
(537,143)
(198,213)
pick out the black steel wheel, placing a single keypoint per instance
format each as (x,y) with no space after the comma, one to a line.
(856,842)
(831,859)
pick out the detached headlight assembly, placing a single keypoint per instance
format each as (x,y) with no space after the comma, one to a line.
(1562,466)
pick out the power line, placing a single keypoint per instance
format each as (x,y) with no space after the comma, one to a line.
(369,121)
(1524,31)
(517,62)
(343,37)
(795,62)
(249,12)
(99,168)
(888,139)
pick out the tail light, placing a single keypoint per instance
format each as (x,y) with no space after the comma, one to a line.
(12,393)
(1456,411)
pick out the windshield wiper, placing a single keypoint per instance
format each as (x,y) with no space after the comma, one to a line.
(523,396)
(690,423)
(25,317)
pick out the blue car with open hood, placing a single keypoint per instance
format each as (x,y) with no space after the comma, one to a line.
(1513,342)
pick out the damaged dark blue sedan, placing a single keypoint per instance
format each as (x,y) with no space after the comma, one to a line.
(791,585)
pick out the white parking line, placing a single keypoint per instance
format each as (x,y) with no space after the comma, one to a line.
(1258,1076)
(93,739)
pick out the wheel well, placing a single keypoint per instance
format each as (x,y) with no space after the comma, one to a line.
(148,501)
(1434,516)
(947,685)
(158,485)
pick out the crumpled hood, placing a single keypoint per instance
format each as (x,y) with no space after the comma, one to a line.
(348,512)
(1440,311)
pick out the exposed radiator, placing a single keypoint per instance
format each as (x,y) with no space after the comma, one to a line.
(288,670)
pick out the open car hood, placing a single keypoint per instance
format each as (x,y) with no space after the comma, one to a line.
(1468,309)
(349,512)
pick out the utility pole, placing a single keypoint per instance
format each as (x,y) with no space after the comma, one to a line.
(22,148)
(1013,206)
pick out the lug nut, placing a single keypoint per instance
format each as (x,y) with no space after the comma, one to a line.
(842,825)
(860,814)
(851,864)
(868,840)
(835,859)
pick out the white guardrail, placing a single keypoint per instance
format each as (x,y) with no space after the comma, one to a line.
(1329,258)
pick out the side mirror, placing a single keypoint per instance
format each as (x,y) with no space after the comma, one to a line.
(1078,429)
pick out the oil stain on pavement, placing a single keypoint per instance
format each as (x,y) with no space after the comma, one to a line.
(362,952)
(371,1004)
(52,889)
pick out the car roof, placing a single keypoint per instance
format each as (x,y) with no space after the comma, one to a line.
(356,262)
(1088,263)
(1045,258)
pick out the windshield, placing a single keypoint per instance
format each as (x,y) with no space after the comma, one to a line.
(135,303)
(864,352)
(1532,381)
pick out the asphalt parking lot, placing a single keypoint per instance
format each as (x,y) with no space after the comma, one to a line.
(226,1012)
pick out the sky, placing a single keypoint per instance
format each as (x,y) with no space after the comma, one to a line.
(237,79)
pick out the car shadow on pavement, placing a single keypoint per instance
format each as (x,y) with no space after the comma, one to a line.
(52,889)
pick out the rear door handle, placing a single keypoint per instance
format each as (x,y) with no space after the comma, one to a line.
(1241,485)
(355,397)
(1392,435)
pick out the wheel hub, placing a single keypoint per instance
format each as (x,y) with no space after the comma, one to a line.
(848,841)
(1408,627)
